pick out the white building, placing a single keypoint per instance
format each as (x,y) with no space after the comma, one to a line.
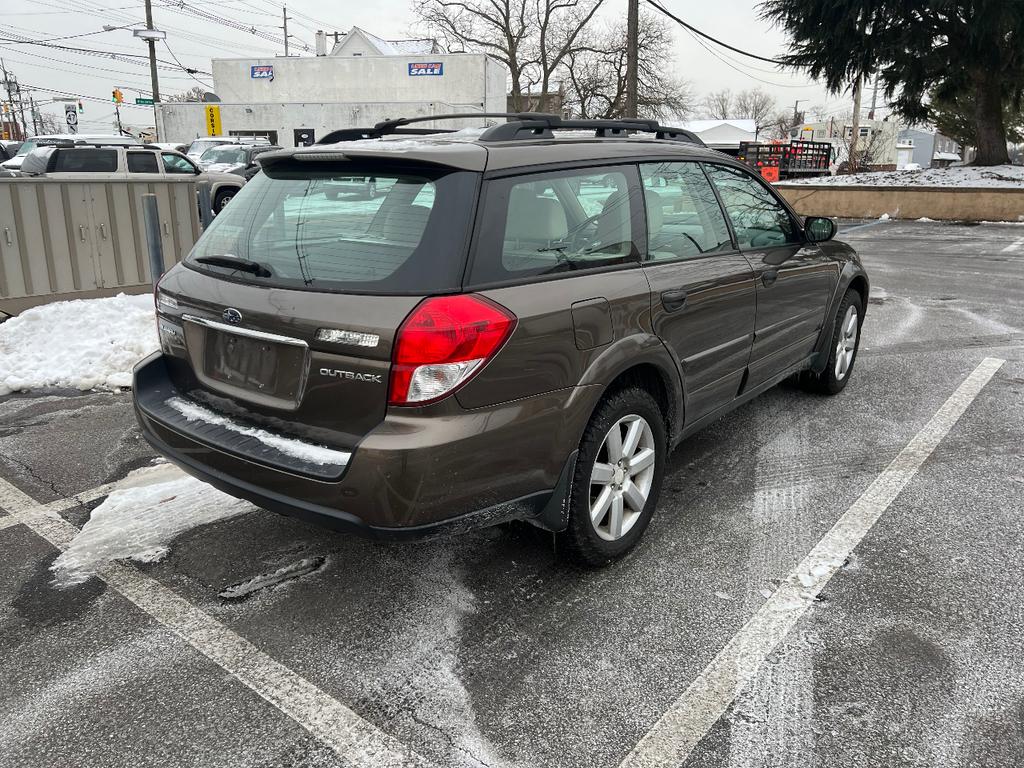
(362,81)
(723,135)
(877,137)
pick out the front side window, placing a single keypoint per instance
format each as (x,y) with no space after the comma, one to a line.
(319,229)
(177,164)
(760,221)
(557,222)
(142,162)
(86,161)
(684,219)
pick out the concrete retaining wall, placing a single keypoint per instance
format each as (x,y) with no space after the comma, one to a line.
(940,203)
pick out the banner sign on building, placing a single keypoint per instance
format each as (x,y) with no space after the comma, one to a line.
(426,68)
(213,127)
(262,72)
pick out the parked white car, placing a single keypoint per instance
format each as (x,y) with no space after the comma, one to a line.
(66,139)
(103,162)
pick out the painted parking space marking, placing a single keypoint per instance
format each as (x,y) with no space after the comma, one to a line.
(356,741)
(1014,246)
(690,717)
(8,521)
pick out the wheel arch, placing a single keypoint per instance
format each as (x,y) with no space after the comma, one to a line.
(852,277)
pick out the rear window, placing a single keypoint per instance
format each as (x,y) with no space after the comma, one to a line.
(85,161)
(401,231)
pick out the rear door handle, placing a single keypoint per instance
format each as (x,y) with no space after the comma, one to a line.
(769,276)
(673,300)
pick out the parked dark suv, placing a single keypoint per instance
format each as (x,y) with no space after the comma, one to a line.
(522,326)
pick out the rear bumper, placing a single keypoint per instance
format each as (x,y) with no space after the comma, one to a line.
(412,477)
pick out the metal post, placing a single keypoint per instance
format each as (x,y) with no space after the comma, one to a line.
(154,243)
(35,114)
(205,203)
(152,66)
(632,56)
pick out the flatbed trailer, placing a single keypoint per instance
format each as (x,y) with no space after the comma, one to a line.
(776,160)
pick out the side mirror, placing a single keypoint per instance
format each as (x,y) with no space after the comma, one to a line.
(819,229)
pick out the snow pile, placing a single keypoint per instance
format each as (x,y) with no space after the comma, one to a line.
(139,523)
(315,454)
(86,343)
(996,176)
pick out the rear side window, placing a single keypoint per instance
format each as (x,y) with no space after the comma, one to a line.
(142,162)
(557,222)
(760,221)
(85,161)
(684,219)
(379,231)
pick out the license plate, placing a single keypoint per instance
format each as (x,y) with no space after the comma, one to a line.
(266,367)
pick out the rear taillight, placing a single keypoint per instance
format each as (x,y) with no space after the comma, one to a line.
(443,343)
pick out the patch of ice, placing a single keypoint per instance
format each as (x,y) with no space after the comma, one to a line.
(806,580)
(85,344)
(314,454)
(140,523)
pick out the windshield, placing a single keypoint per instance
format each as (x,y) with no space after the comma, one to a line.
(197,148)
(27,147)
(226,154)
(392,232)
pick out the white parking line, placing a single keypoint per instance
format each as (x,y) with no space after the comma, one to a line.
(8,521)
(1013,246)
(356,741)
(708,697)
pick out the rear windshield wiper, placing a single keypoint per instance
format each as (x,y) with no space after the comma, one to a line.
(236,262)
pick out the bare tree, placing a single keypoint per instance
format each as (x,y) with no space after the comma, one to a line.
(595,76)
(777,127)
(195,93)
(533,38)
(50,124)
(754,104)
(718,105)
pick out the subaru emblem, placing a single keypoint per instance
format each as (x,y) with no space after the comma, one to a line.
(232,316)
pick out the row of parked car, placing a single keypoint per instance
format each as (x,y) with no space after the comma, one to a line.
(226,163)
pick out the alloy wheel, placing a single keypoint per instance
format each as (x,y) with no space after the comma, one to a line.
(847,344)
(622,477)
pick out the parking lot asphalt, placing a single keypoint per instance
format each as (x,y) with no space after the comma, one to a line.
(486,650)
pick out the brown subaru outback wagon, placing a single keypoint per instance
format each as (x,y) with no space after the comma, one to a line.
(519,323)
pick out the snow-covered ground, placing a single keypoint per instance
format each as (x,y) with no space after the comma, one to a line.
(1006,176)
(140,522)
(85,344)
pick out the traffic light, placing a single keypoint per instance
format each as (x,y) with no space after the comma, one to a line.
(117,97)
(81,107)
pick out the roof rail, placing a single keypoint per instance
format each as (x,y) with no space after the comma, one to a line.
(520,126)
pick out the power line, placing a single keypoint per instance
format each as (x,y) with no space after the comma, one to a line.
(706,36)
(742,72)
(205,85)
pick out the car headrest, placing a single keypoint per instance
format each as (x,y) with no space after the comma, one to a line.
(537,219)
(655,213)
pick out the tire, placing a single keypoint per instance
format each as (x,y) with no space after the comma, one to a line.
(842,348)
(593,541)
(224,197)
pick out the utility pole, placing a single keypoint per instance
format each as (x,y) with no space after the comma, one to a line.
(857,88)
(151,42)
(35,114)
(796,112)
(285,13)
(632,56)
(874,100)
(12,115)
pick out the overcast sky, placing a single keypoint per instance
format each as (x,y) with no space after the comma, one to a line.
(194,41)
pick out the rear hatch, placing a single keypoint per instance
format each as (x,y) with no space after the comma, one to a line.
(285,313)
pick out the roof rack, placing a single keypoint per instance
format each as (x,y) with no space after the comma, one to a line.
(520,126)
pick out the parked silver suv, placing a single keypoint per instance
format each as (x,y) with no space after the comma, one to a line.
(105,162)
